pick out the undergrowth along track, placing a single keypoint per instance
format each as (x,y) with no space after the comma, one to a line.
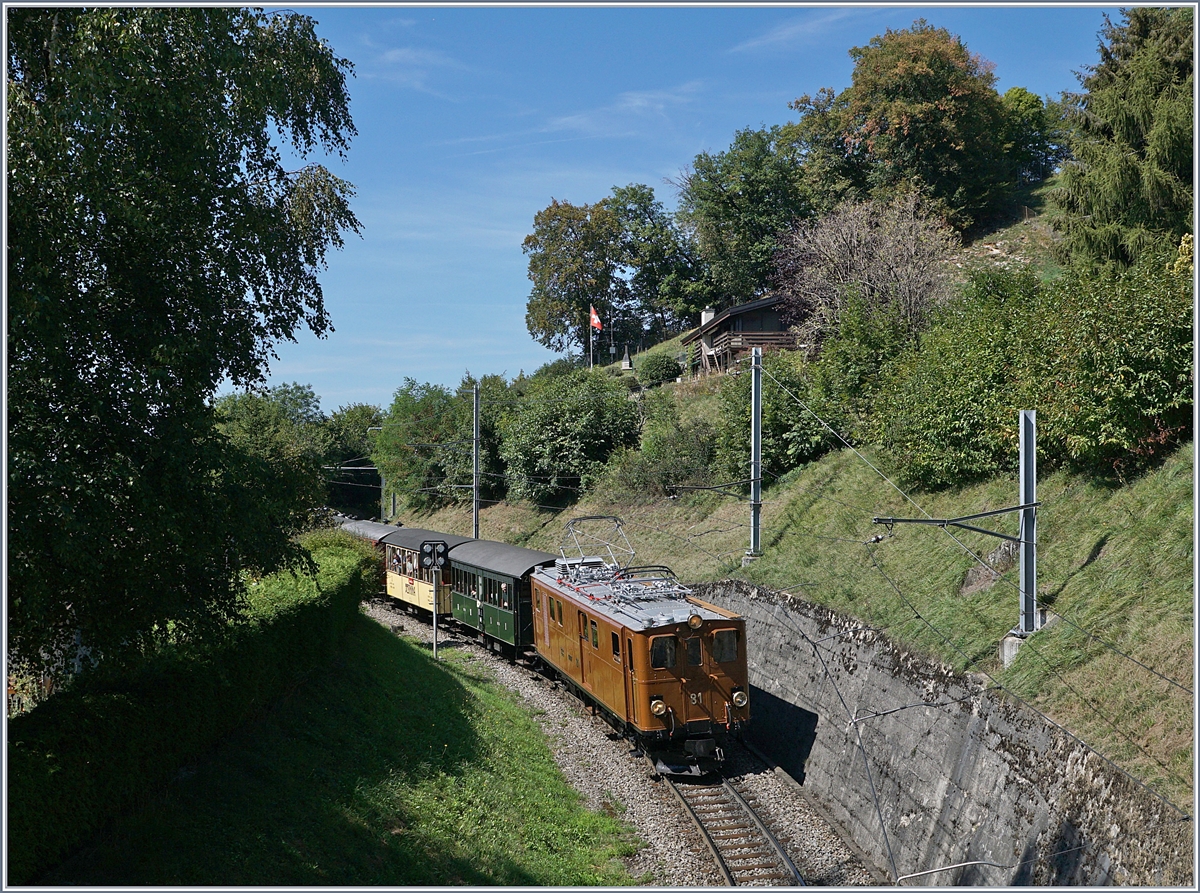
(746,851)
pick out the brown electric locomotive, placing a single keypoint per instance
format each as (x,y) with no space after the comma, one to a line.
(664,665)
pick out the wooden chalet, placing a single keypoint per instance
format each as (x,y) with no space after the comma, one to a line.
(724,338)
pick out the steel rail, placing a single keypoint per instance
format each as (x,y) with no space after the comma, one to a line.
(708,840)
(775,844)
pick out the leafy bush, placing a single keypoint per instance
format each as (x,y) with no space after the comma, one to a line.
(109,743)
(656,368)
(791,435)
(672,454)
(1104,357)
(948,412)
(558,440)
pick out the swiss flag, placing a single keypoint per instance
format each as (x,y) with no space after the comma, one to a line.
(596,319)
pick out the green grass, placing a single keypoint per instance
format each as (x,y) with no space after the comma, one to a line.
(388,769)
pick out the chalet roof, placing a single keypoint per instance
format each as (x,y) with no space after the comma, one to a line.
(715,323)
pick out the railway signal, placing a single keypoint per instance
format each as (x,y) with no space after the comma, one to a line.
(433,554)
(433,557)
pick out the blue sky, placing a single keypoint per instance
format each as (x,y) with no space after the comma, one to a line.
(471,119)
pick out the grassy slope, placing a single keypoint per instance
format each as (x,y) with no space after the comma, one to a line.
(387,769)
(1115,561)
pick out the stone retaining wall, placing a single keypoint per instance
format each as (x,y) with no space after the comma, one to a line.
(926,768)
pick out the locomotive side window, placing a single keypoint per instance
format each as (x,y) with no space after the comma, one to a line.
(693,651)
(725,646)
(595,636)
(662,652)
(560,620)
(616,642)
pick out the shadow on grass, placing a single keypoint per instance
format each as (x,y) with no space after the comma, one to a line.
(327,789)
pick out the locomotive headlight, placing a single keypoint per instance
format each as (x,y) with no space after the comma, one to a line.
(740,699)
(658,707)
(695,621)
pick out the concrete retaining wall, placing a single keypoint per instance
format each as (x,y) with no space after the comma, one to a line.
(925,768)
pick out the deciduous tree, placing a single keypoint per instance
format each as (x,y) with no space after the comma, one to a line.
(157,246)
(882,254)
(575,254)
(558,440)
(921,113)
(738,202)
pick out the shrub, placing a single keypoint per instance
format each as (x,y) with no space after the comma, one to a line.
(791,435)
(672,455)
(656,368)
(558,440)
(1105,357)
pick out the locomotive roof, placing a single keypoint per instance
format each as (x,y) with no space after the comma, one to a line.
(512,561)
(368,530)
(412,537)
(640,598)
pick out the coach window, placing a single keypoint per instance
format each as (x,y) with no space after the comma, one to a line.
(725,646)
(662,652)
(693,651)
(595,636)
(504,596)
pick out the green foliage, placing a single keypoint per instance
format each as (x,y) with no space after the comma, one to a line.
(921,113)
(558,440)
(845,379)
(157,246)
(791,436)
(109,744)
(284,430)
(948,412)
(653,369)
(495,403)
(624,255)
(575,252)
(416,450)
(659,262)
(1121,365)
(354,493)
(738,202)
(672,454)
(1104,357)
(1034,133)
(1130,185)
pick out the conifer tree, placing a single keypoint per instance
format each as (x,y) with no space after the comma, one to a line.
(1130,183)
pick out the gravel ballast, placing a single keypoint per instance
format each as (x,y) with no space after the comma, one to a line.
(612,777)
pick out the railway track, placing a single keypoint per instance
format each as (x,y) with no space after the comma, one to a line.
(746,851)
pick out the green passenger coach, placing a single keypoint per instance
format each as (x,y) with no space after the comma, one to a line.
(490,591)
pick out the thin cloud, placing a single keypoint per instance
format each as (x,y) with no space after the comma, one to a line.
(624,116)
(798,32)
(411,67)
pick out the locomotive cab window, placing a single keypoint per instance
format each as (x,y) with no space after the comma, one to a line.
(595,636)
(693,651)
(725,646)
(662,652)
(616,643)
